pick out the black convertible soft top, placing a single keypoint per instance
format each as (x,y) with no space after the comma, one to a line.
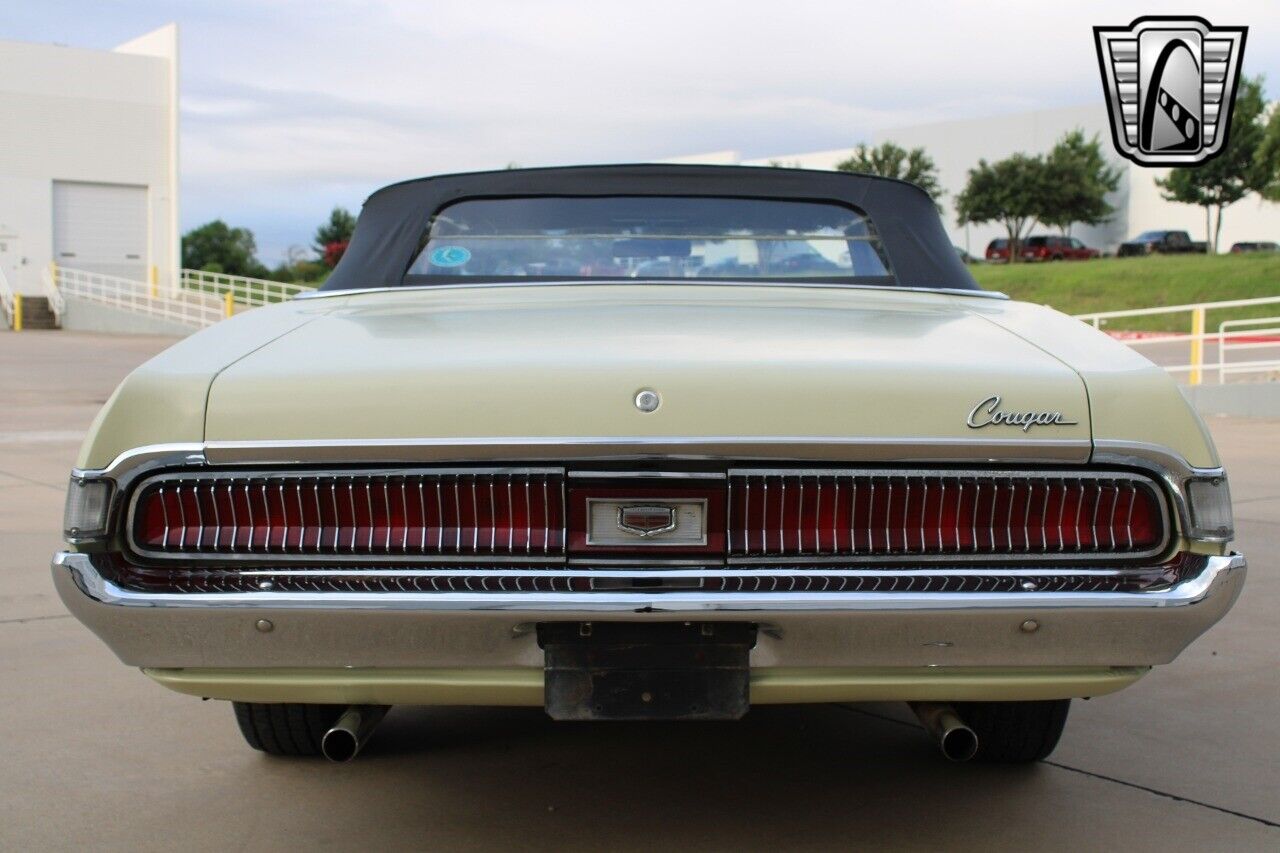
(394,220)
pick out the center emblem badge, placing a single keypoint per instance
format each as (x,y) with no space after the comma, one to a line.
(646,520)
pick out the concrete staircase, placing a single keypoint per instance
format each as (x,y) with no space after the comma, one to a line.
(36,313)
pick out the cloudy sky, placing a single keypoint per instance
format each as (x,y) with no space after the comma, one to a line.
(292,106)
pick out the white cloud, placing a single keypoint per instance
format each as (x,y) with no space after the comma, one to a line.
(292,106)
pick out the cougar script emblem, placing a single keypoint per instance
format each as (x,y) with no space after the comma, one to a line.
(988,413)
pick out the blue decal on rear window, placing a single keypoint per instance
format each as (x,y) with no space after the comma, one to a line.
(449,256)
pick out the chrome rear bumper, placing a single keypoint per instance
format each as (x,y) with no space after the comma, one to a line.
(495,630)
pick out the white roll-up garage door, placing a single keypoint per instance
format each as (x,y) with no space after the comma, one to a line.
(101,228)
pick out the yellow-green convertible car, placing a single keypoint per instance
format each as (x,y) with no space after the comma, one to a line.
(649,442)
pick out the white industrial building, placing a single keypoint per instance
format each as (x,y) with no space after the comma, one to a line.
(89,160)
(957,146)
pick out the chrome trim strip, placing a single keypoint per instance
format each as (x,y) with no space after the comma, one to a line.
(1190,592)
(665,448)
(664,570)
(640,475)
(397,451)
(807,285)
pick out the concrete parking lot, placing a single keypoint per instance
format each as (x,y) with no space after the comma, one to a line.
(92,754)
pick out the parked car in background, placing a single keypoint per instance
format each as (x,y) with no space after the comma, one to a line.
(1045,248)
(821,466)
(998,250)
(1265,246)
(1161,243)
(965,257)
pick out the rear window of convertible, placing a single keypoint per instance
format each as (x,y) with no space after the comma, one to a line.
(650,237)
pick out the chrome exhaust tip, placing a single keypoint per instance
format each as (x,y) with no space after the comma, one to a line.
(352,731)
(957,741)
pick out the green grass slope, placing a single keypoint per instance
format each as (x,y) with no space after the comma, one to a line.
(1115,284)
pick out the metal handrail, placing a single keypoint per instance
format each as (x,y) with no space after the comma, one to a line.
(245,290)
(1225,337)
(1097,317)
(6,299)
(192,309)
(56,303)
(1197,336)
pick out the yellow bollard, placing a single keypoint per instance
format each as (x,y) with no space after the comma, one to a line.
(17,312)
(230,303)
(1197,345)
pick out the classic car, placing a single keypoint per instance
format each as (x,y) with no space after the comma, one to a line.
(802,459)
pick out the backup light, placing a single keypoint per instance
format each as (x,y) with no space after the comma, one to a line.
(1210,501)
(85,515)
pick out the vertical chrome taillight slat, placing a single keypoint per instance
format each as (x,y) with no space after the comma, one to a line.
(546,518)
(1128,519)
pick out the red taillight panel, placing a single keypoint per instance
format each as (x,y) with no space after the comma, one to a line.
(520,514)
(516,514)
(775,515)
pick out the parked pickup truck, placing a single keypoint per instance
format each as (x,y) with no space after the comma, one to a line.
(1163,243)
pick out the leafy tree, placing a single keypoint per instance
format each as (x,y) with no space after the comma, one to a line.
(1080,178)
(217,247)
(1009,191)
(890,160)
(1267,159)
(339,228)
(1237,171)
(333,236)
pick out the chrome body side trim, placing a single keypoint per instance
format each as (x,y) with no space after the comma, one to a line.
(1191,591)
(807,285)
(829,449)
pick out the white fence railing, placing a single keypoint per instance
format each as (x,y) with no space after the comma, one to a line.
(7,306)
(51,292)
(1259,333)
(192,309)
(247,291)
(1226,341)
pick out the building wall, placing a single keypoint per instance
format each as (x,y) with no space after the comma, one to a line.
(957,146)
(71,114)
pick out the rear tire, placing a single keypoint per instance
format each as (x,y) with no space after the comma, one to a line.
(285,728)
(1015,732)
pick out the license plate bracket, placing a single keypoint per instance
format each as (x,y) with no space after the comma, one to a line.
(646,671)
